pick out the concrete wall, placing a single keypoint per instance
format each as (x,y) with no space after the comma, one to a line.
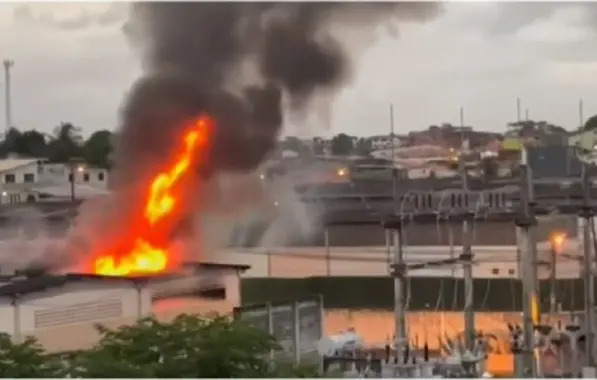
(63,318)
(295,262)
(60,173)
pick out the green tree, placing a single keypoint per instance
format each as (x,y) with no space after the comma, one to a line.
(342,144)
(31,143)
(98,148)
(363,146)
(317,147)
(66,143)
(187,347)
(8,144)
(591,123)
(294,144)
(27,359)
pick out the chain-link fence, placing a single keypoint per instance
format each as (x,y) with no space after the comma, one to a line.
(297,326)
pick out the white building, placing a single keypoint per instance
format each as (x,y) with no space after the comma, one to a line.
(384,142)
(25,180)
(61,310)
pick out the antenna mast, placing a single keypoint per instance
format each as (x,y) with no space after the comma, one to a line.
(8,64)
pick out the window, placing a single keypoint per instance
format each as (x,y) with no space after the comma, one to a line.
(100,176)
(86,177)
(9,178)
(28,178)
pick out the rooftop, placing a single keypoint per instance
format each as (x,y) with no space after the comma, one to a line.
(19,284)
(14,163)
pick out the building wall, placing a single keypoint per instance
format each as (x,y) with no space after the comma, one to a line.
(14,183)
(63,318)
(6,316)
(19,173)
(60,173)
(585,140)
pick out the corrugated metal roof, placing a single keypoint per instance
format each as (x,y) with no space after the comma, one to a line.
(13,163)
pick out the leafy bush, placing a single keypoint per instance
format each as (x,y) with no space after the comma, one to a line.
(188,347)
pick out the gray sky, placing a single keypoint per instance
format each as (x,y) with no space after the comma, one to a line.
(73,63)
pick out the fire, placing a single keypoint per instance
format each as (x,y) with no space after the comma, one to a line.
(146,256)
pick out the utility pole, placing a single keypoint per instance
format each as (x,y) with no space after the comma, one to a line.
(586,220)
(525,225)
(467,268)
(8,64)
(467,254)
(518,110)
(398,272)
(394,169)
(556,241)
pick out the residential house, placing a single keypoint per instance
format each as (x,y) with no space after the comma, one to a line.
(28,179)
(584,140)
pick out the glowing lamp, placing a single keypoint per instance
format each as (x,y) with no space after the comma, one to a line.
(557,240)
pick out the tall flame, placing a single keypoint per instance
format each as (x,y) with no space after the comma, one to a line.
(162,200)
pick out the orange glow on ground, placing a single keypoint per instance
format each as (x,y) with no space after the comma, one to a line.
(148,252)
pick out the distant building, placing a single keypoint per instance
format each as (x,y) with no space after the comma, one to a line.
(26,180)
(449,136)
(538,133)
(553,162)
(584,140)
(321,145)
(384,142)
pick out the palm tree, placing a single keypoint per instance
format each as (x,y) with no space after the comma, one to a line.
(66,143)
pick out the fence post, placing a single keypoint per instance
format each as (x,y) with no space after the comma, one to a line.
(328,253)
(269,263)
(296,331)
(270,324)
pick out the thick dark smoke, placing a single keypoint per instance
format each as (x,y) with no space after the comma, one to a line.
(194,54)
(245,64)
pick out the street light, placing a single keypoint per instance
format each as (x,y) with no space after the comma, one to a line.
(74,164)
(557,240)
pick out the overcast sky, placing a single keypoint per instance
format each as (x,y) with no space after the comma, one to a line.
(73,63)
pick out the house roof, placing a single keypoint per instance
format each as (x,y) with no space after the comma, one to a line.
(24,285)
(13,163)
(208,265)
(44,282)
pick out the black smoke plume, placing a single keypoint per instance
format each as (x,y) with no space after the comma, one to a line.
(194,54)
(245,64)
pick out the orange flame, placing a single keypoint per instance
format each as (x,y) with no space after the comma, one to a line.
(163,197)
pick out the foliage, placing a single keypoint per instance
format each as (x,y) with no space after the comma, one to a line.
(342,144)
(28,144)
(318,149)
(591,123)
(189,346)
(363,147)
(64,145)
(25,359)
(294,144)
(98,148)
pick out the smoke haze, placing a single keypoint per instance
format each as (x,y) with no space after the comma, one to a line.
(194,54)
(248,65)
